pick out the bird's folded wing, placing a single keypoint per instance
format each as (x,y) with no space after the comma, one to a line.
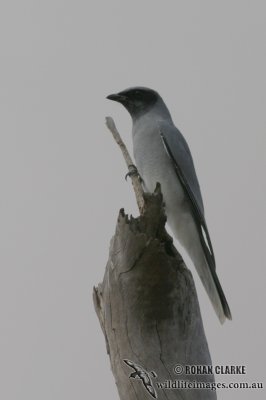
(178,151)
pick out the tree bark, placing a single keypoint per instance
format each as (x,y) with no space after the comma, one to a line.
(148,308)
(149,312)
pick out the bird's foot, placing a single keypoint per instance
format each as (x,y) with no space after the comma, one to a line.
(133,171)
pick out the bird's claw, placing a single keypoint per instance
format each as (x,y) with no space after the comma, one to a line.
(133,171)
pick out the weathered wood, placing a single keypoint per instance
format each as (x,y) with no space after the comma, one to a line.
(148,309)
(110,123)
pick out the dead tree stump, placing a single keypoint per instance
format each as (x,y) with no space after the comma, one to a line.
(148,309)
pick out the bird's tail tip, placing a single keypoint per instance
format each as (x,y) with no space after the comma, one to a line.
(226,312)
(219,301)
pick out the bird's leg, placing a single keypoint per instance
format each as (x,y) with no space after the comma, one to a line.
(133,171)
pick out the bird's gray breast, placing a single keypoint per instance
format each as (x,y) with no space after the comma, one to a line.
(153,162)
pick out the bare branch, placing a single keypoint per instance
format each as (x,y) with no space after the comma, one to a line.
(131,168)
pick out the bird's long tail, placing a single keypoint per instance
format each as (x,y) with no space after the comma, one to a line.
(222,298)
(212,286)
(189,238)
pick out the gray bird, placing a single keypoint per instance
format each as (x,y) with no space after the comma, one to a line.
(162,155)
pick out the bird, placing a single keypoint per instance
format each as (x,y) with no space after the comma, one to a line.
(143,375)
(162,155)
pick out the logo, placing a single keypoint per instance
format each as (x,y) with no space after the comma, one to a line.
(144,376)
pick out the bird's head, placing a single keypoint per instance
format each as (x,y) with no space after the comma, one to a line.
(137,100)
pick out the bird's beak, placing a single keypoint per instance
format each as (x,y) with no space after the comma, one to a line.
(117,97)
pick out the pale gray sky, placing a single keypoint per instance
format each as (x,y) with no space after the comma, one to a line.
(62,175)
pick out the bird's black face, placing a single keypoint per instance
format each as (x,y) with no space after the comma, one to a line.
(137,100)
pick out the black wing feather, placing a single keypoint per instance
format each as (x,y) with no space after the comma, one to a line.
(180,155)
